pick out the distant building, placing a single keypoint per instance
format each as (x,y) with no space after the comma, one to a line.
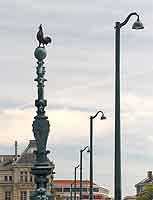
(130,198)
(62,188)
(145,182)
(140,186)
(16,179)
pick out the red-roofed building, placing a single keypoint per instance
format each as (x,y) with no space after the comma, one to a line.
(62,189)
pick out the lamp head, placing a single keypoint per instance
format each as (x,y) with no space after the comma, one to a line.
(88,150)
(103,117)
(138,25)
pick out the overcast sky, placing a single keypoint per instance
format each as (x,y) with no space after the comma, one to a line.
(80,73)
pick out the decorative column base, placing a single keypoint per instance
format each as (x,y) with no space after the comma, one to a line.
(41,171)
(44,196)
(38,196)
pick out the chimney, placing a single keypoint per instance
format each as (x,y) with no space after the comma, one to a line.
(149,175)
(16,150)
(32,142)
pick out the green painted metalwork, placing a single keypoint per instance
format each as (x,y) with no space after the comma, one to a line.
(81,181)
(42,168)
(75,174)
(91,195)
(117,170)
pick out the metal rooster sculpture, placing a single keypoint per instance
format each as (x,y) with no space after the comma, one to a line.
(41,39)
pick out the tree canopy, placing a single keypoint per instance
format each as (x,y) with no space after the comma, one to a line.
(147,194)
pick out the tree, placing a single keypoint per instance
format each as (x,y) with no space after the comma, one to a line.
(147,194)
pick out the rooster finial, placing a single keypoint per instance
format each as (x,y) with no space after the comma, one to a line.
(41,39)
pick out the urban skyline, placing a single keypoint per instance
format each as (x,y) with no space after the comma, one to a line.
(80,73)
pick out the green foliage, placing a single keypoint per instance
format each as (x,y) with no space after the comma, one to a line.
(59,198)
(147,194)
(139,198)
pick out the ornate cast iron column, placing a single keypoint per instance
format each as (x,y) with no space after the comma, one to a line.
(42,168)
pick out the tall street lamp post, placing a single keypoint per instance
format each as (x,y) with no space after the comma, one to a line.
(42,168)
(81,151)
(75,171)
(137,25)
(91,150)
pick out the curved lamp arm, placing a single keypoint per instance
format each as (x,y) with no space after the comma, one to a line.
(102,113)
(84,148)
(128,17)
(77,166)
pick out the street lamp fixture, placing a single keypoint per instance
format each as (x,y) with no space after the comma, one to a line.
(75,169)
(81,152)
(91,150)
(137,26)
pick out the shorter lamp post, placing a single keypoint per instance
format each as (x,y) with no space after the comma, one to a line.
(81,151)
(71,188)
(91,150)
(75,169)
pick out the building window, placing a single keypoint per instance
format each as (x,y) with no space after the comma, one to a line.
(58,189)
(73,189)
(31,177)
(26,177)
(23,195)
(10,178)
(84,189)
(138,189)
(66,189)
(5,178)
(98,196)
(77,189)
(95,189)
(85,196)
(7,195)
(21,176)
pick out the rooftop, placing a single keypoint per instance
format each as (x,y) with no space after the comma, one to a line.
(28,156)
(69,182)
(147,180)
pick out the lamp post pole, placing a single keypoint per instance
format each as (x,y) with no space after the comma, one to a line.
(71,191)
(81,152)
(137,25)
(91,151)
(75,170)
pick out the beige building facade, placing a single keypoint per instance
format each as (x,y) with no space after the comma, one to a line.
(16,179)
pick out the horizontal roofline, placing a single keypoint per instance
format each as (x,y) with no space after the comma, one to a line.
(70,181)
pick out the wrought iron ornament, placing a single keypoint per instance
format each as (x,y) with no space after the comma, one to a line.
(40,37)
(41,126)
